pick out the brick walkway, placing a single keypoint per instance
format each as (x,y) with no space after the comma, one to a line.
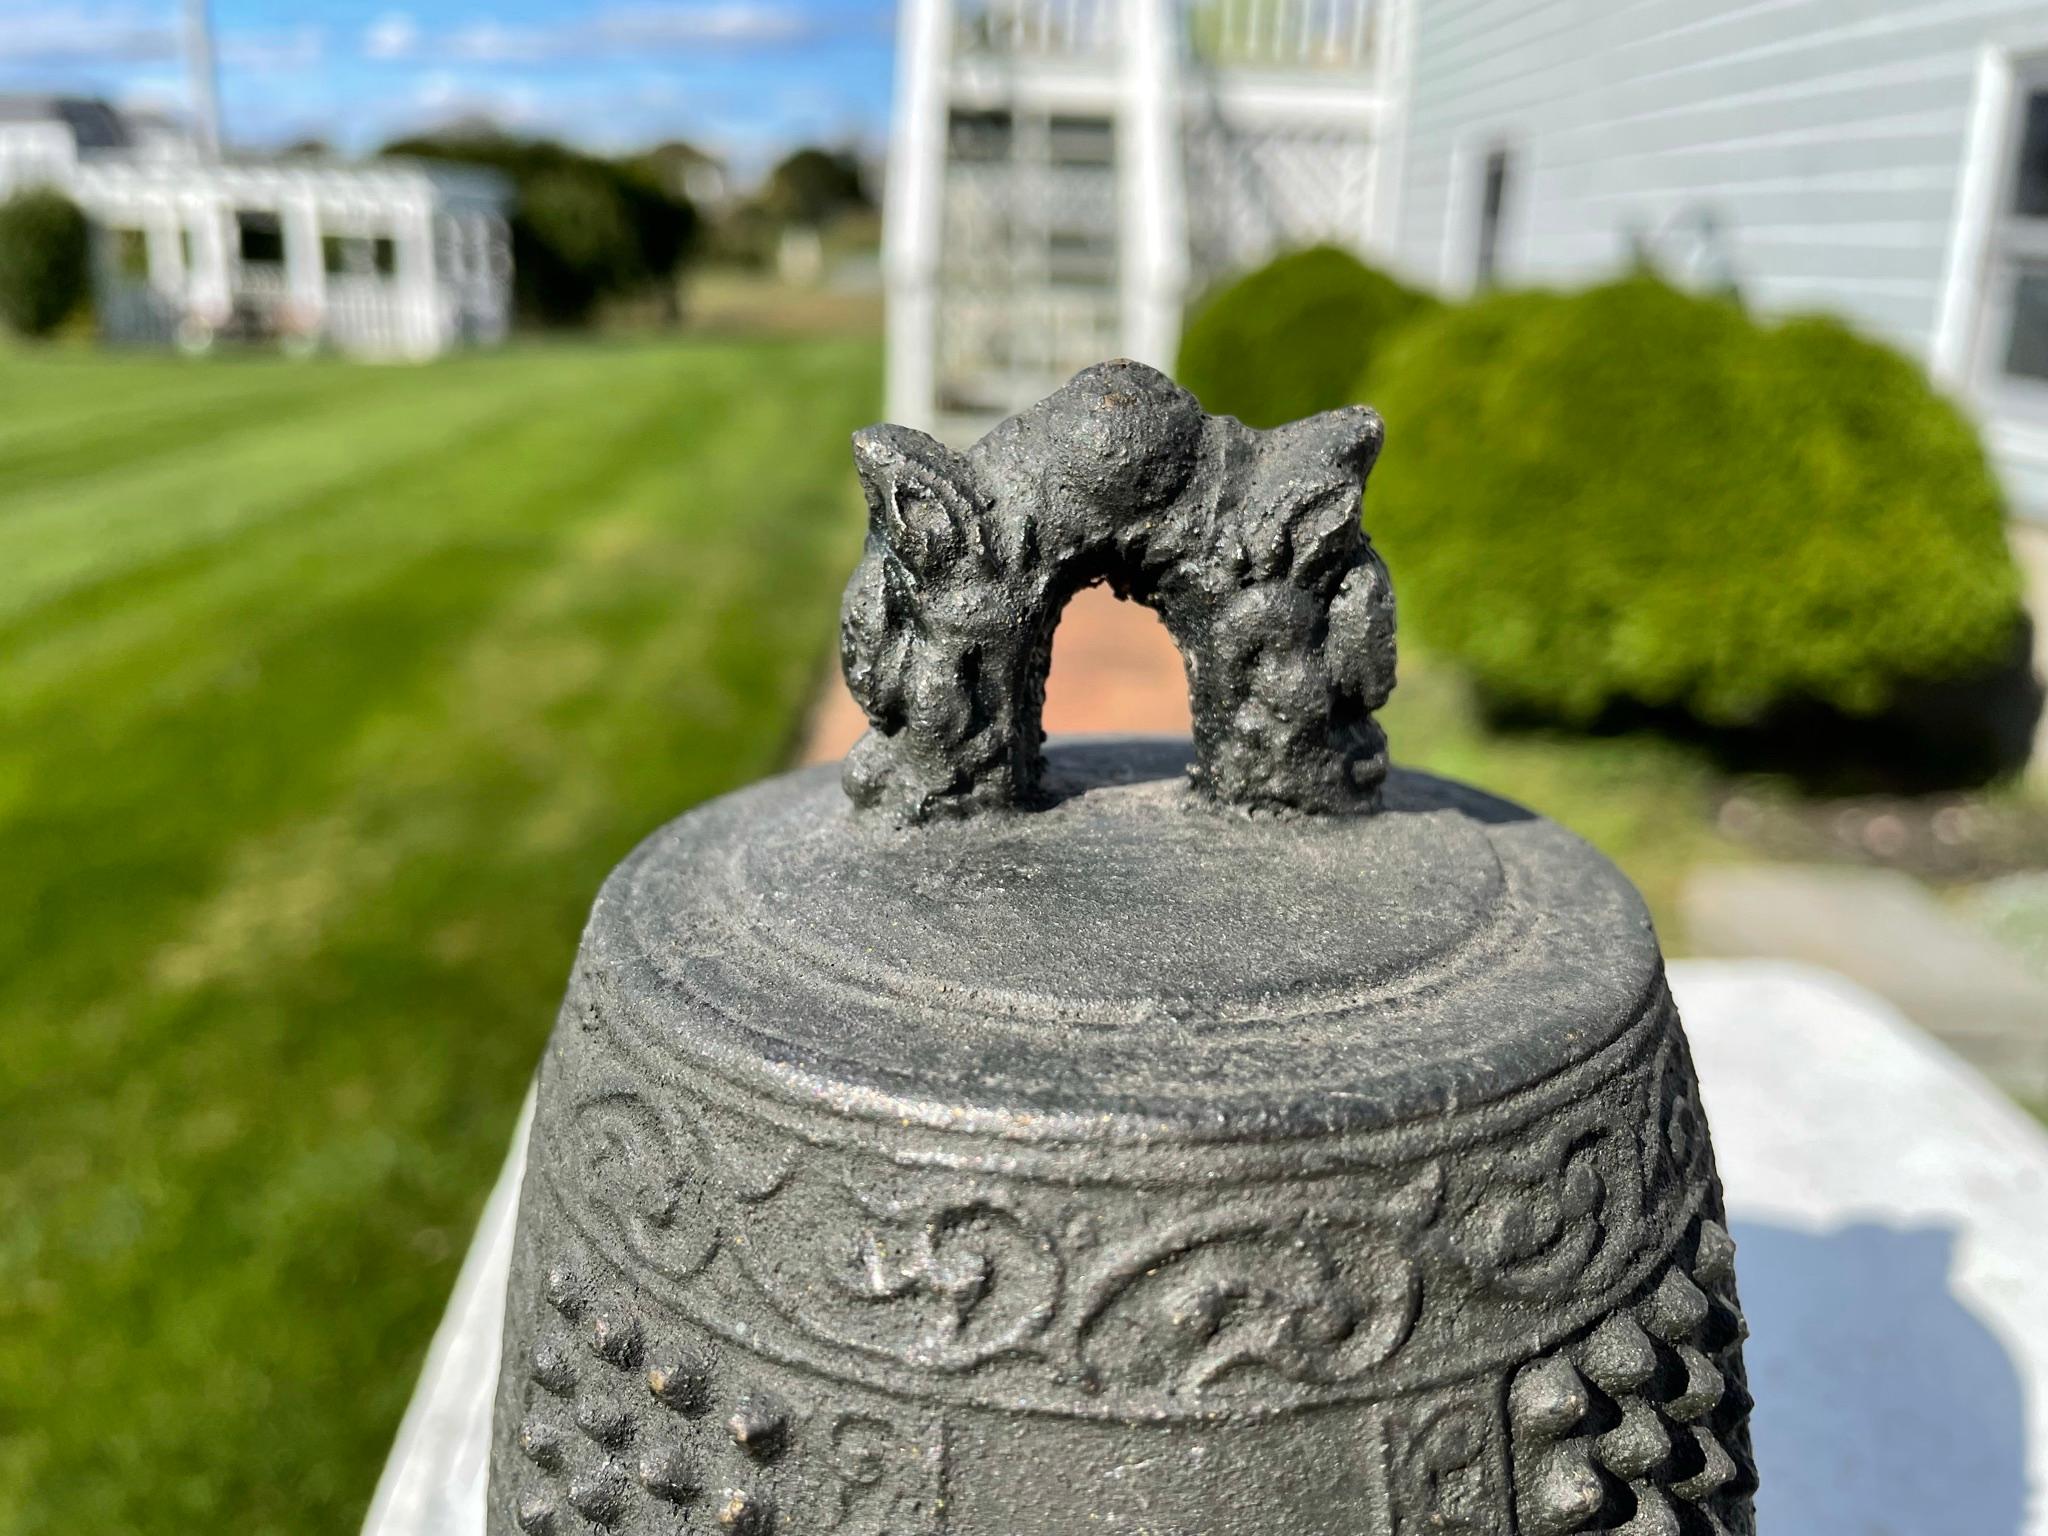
(1113,669)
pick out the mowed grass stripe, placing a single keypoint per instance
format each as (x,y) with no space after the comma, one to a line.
(54,540)
(250,704)
(47,393)
(331,527)
(266,1169)
(72,432)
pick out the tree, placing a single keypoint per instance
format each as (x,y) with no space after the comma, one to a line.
(584,228)
(45,261)
(683,169)
(812,185)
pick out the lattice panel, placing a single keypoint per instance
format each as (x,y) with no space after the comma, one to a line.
(1255,191)
(1027,287)
(1006,220)
(999,350)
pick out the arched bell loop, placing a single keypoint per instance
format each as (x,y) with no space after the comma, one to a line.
(1247,543)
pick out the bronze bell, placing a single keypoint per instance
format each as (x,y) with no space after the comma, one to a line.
(1155,1137)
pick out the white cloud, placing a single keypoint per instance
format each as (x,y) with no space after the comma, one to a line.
(38,34)
(394,35)
(302,47)
(443,96)
(722,21)
(491,42)
(41,33)
(618,31)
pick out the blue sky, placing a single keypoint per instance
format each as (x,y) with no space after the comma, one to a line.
(744,78)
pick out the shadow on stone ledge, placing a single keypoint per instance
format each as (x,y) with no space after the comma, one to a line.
(1872,1380)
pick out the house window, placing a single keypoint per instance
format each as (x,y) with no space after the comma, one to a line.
(2026,346)
(1087,141)
(980,136)
(261,238)
(2015,349)
(2030,189)
(1080,256)
(359,255)
(1493,196)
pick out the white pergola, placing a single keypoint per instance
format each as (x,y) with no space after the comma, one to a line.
(1064,174)
(393,259)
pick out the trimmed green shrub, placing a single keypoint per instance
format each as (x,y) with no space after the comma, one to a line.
(1289,340)
(1632,495)
(45,261)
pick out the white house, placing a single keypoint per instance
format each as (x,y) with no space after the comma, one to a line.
(390,259)
(1886,160)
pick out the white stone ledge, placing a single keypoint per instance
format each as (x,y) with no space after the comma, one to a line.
(1891,1211)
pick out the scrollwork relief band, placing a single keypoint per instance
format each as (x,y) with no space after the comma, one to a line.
(1136,1304)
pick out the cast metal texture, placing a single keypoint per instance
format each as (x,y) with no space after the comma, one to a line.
(1138,1136)
(1247,543)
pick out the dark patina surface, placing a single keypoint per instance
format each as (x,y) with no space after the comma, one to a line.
(1247,543)
(1165,1137)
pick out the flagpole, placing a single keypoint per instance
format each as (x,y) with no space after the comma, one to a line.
(204,69)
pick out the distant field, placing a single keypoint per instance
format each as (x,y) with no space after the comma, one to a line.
(327,696)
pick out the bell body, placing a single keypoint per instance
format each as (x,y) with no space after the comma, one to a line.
(1129,1165)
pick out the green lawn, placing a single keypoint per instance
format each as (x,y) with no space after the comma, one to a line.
(327,696)
(1646,803)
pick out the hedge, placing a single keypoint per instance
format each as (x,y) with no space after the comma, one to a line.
(45,261)
(1633,495)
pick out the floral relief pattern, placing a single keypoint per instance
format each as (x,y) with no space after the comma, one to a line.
(979,1280)
(1445,1463)
(1197,1298)
(1316,1294)
(625,1156)
(1562,1208)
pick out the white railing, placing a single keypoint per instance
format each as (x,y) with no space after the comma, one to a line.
(372,317)
(137,314)
(1060,29)
(262,282)
(1231,34)
(1283,34)
(365,317)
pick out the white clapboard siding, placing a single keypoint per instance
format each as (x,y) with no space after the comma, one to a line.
(1814,152)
